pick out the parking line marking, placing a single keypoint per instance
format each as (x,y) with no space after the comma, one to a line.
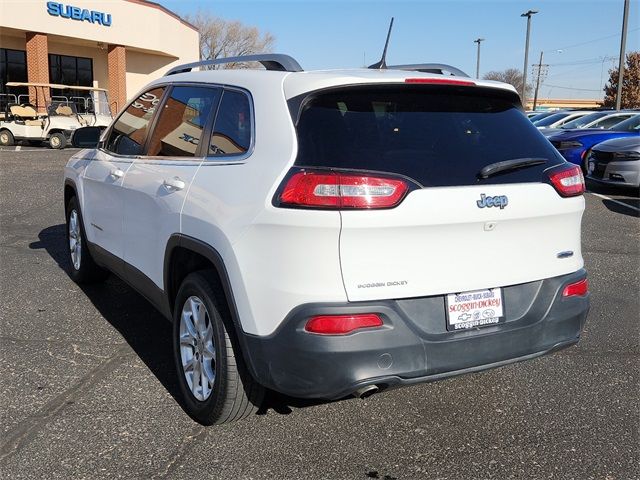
(615,201)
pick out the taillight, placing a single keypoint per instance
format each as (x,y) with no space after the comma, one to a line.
(577,289)
(341,190)
(441,81)
(568,181)
(342,324)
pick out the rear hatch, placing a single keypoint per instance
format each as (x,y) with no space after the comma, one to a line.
(455,229)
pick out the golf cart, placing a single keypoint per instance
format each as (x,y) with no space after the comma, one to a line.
(23,121)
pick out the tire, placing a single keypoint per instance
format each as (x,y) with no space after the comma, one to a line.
(83,267)
(585,163)
(57,141)
(230,392)
(6,138)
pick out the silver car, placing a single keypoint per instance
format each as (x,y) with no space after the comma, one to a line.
(616,162)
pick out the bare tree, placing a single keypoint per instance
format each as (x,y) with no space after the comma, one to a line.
(221,38)
(512,76)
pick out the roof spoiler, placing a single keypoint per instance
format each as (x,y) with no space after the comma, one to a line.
(270,61)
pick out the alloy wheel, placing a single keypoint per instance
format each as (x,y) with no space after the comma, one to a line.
(197,349)
(75,239)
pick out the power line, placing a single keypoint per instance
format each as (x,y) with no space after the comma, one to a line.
(593,41)
(572,88)
(586,61)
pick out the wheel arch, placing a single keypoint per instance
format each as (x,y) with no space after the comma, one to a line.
(70,190)
(185,255)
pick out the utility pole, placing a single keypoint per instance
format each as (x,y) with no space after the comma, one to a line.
(478,41)
(623,42)
(540,73)
(527,14)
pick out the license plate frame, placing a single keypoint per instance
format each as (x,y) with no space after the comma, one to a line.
(474,309)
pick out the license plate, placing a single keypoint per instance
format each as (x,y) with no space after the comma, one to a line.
(479,308)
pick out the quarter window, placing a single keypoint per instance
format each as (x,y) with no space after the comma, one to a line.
(129,133)
(182,120)
(232,129)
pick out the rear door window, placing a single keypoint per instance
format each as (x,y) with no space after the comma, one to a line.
(437,136)
(232,130)
(182,120)
(129,133)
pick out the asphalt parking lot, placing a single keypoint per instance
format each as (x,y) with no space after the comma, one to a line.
(89,391)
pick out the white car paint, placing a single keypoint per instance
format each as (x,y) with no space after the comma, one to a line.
(278,259)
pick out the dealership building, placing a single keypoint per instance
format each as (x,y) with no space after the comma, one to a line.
(117,45)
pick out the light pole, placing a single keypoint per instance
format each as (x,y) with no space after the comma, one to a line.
(478,41)
(527,14)
(623,42)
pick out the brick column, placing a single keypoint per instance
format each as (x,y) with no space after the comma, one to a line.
(38,68)
(117,66)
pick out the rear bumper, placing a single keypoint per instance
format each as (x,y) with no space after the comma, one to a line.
(414,345)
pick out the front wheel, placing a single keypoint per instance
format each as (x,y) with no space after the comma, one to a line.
(6,138)
(83,267)
(585,163)
(57,141)
(215,384)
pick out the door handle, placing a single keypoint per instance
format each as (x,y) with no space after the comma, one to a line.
(117,173)
(174,184)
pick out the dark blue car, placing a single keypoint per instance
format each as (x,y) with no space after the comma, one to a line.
(575,145)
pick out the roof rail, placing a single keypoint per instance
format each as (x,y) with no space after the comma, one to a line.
(439,68)
(271,61)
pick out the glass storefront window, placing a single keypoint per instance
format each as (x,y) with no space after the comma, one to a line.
(13,68)
(69,70)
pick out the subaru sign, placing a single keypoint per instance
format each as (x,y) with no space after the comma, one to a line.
(56,9)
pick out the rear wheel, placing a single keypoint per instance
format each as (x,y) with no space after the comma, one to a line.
(57,141)
(214,382)
(6,138)
(83,267)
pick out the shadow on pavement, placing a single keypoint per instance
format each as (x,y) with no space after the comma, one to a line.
(143,328)
(621,209)
(626,195)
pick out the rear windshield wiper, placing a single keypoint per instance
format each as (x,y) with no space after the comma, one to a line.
(509,165)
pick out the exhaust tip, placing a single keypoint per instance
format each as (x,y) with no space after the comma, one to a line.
(365,392)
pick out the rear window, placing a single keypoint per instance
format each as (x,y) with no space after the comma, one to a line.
(583,121)
(551,119)
(437,136)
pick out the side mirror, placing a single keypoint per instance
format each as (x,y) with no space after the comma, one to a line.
(86,137)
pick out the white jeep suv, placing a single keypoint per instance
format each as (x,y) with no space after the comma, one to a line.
(332,233)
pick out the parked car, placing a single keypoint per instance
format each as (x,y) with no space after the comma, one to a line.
(559,119)
(331,233)
(602,120)
(575,145)
(616,162)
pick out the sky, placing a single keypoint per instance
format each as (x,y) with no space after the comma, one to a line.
(580,38)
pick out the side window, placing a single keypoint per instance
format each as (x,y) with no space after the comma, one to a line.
(178,130)
(610,121)
(232,129)
(127,137)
